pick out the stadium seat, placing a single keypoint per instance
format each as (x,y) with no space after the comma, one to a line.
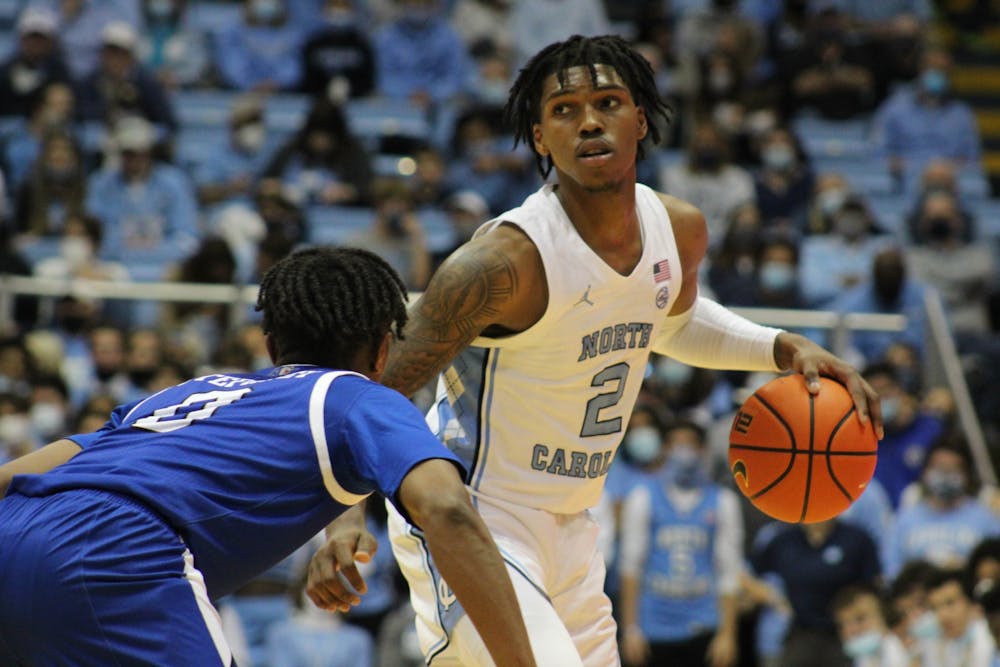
(203,108)
(890,210)
(382,117)
(986,213)
(827,138)
(336,224)
(438,229)
(213,16)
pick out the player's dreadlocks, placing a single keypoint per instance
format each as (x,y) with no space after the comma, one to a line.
(323,304)
(523,108)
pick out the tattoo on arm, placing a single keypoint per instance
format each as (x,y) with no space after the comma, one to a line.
(464,297)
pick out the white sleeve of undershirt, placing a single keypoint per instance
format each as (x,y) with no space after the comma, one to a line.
(634,531)
(729,543)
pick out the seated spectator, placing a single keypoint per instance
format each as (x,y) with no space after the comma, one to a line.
(960,270)
(175,51)
(339,54)
(718,25)
(864,634)
(148,208)
(397,235)
(324,160)
(888,290)
(732,273)
(938,176)
(965,639)
(81,24)
(834,262)
(420,57)
(35,63)
(468,211)
(120,86)
(813,562)
(915,623)
(263,51)
(78,254)
(280,210)
(947,521)
(52,111)
(494,76)
(777,278)
(482,160)
(49,412)
(983,565)
(830,193)
(16,438)
(910,430)
(107,365)
(831,74)
(143,359)
(429,185)
(784,183)
(17,367)
(54,189)
(924,122)
(709,180)
(229,173)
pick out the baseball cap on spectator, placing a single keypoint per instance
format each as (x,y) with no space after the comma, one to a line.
(134,134)
(37,22)
(468,201)
(119,34)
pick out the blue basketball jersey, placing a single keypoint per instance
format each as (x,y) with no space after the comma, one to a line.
(247,467)
(679,599)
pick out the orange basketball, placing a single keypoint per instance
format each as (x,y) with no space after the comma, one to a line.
(801,458)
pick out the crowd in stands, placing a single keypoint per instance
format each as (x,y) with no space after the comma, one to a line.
(203,140)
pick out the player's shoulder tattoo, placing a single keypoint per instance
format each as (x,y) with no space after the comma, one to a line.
(468,293)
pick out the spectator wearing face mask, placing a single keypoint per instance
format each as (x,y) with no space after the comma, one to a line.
(681,559)
(861,624)
(52,112)
(709,180)
(229,172)
(830,193)
(924,122)
(784,183)
(947,520)
(908,614)
(338,57)
(49,408)
(420,57)
(174,50)
(55,187)
(261,52)
(731,274)
(965,639)
(939,175)
(835,262)
(961,271)
(778,273)
(889,290)
(35,63)
(910,430)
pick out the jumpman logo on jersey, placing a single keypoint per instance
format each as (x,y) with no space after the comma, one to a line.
(585,298)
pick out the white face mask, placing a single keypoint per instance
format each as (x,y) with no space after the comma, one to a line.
(250,137)
(925,627)
(15,430)
(643,444)
(47,419)
(76,250)
(864,645)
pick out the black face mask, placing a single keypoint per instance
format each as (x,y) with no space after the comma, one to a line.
(707,159)
(105,374)
(888,288)
(140,377)
(939,228)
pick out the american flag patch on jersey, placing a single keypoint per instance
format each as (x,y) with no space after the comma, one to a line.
(661,271)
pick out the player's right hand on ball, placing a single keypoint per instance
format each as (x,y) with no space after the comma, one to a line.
(334,581)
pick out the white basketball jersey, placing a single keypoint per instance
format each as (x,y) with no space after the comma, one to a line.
(537,416)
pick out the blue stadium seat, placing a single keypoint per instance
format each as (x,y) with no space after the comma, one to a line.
(286,112)
(212,16)
(821,137)
(986,213)
(193,145)
(381,117)
(890,210)
(203,108)
(336,224)
(973,183)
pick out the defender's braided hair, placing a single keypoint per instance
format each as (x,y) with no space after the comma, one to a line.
(322,304)
(523,107)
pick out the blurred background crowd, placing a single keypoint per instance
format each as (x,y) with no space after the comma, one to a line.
(844,154)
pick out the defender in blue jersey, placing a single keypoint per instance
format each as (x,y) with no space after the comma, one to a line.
(115,543)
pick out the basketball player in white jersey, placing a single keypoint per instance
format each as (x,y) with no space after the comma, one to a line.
(540,328)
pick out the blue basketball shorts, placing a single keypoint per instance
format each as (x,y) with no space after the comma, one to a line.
(90,577)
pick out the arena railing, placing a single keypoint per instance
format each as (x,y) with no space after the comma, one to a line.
(942,361)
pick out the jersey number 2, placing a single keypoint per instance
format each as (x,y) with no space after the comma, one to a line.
(166,420)
(591,424)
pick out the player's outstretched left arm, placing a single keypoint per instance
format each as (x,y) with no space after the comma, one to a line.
(39,461)
(703,333)
(468,558)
